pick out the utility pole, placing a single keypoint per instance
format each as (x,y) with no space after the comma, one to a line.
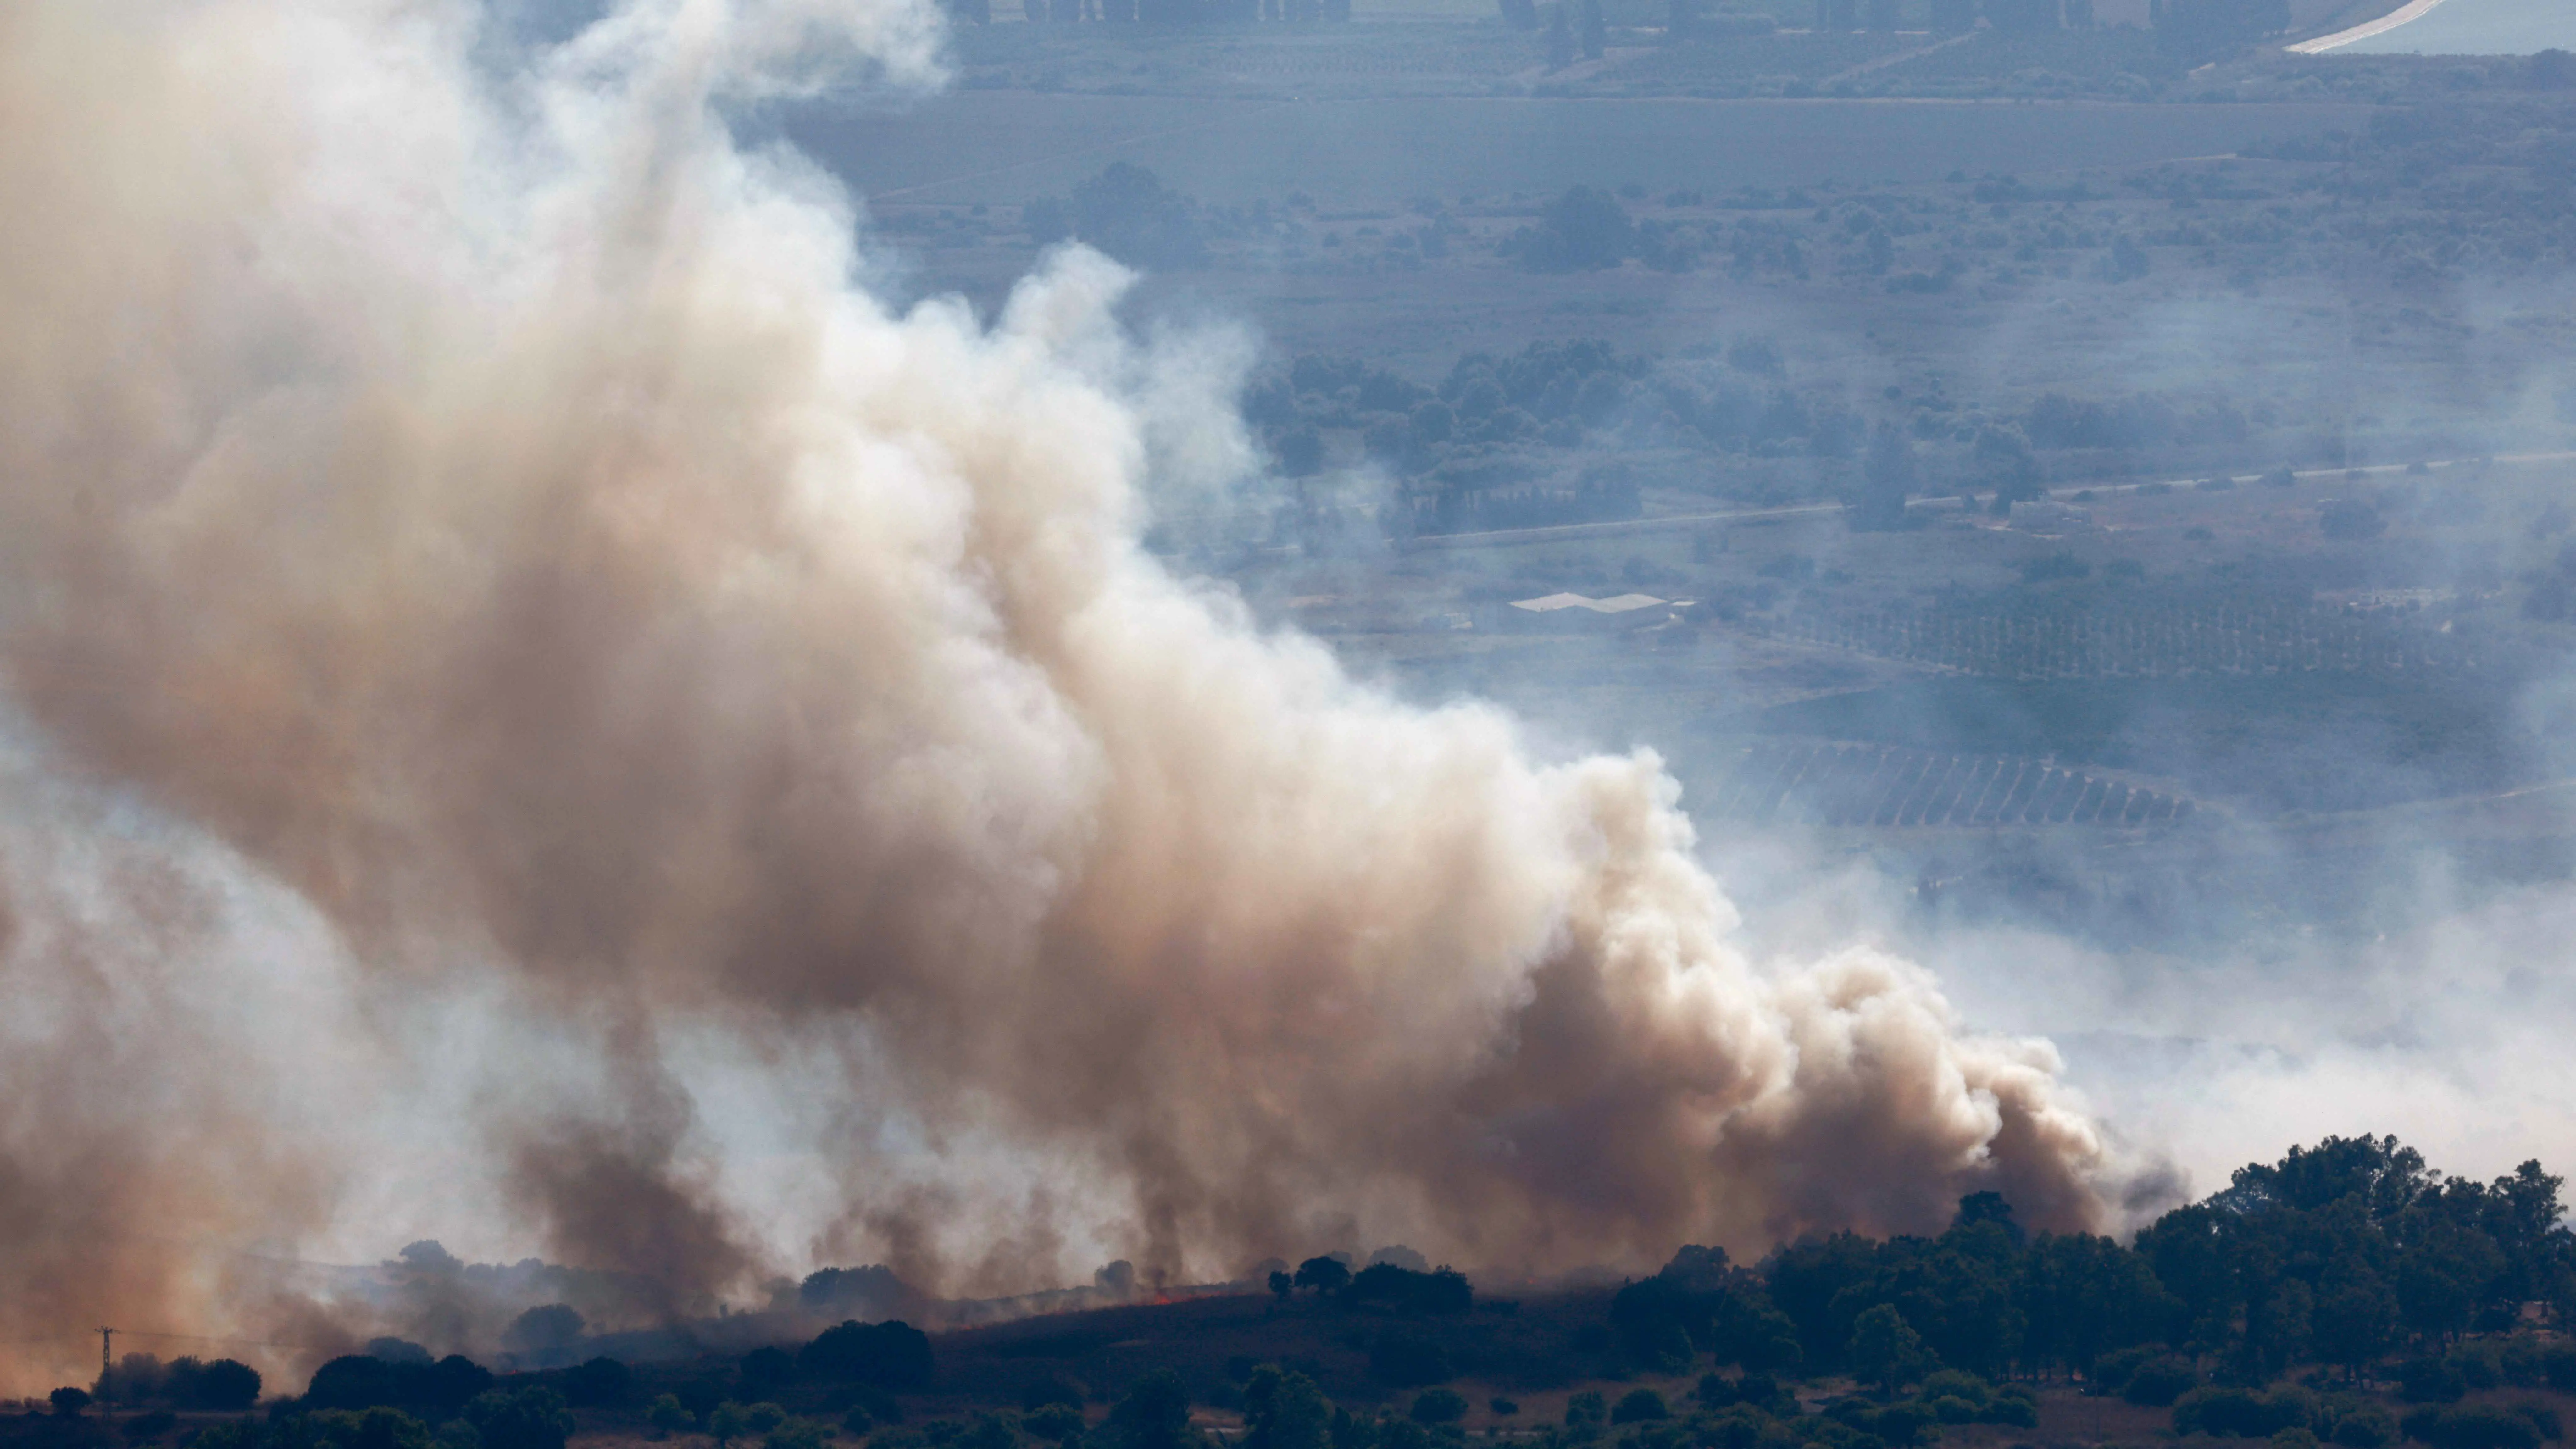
(106,1339)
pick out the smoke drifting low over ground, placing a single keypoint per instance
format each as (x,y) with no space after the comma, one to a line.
(544,703)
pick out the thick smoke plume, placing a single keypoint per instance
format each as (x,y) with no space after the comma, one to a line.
(484,498)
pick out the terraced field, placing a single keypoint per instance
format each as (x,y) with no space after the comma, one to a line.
(1877,785)
(2153,641)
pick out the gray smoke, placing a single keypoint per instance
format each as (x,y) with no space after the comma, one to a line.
(482,503)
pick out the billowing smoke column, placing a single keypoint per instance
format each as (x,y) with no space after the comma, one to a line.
(476,494)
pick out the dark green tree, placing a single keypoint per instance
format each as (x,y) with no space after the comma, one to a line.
(1890,473)
(1283,1409)
(1324,1275)
(1155,1414)
(1885,1350)
(529,1418)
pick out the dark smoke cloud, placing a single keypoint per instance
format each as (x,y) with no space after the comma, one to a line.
(486,508)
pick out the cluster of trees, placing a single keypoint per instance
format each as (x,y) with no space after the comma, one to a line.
(528,1417)
(2342,1255)
(139,1380)
(1472,432)
(1587,229)
(1389,1286)
(1126,211)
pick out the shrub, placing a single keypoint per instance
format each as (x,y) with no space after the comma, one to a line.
(2430,1381)
(1951,1409)
(2473,1426)
(2294,1439)
(2558,1367)
(2240,1413)
(225,1384)
(1586,1410)
(796,1434)
(2368,1427)
(1901,1424)
(531,1418)
(1639,1406)
(2011,1409)
(1439,1406)
(2111,1371)
(1952,1383)
(2159,1381)
(667,1415)
(1503,1408)
(1061,1423)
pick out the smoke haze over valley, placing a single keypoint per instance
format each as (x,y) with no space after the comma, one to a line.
(649,648)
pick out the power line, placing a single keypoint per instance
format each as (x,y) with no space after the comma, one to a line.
(184,1337)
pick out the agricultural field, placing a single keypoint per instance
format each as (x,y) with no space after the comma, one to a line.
(1003,147)
(1775,326)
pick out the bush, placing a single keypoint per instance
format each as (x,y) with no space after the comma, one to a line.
(2558,1367)
(1586,229)
(1061,1423)
(2473,1426)
(1902,1424)
(796,1434)
(2011,1409)
(1716,1391)
(2240,1413)
(2294,1439)
(1502,1407)
(1951,1409)
(1439,1406)
(2431,1381)
(2111,1372)
(531,1418)
(223,1385)
(1586,1410)
(1952,1383)
(2367,1427)
(1444,1290)
(890,1355)
(667,1415)
(2159,1382)
(1640,1406)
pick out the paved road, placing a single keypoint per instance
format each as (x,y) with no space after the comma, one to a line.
(2475,27)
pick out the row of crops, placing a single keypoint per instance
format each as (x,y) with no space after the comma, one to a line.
(1822,784)
(2153,641)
